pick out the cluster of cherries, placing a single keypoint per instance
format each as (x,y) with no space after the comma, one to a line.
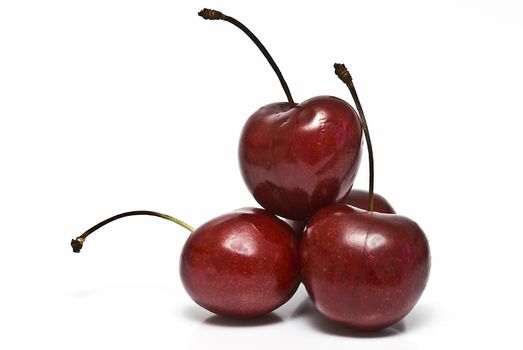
(362,265)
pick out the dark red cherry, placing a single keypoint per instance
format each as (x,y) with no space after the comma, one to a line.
(360,199)
(296,160)
(361,268)
(365,270)
(242,265)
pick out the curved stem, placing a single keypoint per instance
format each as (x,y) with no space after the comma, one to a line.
(344,75)
(217,15)
(78,242)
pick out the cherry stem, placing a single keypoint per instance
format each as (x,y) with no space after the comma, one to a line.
(78,242)
(217,15)
(344,75)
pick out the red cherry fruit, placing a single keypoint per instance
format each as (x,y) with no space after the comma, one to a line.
(297,158)
(242,265)
(364,269)
(360,199)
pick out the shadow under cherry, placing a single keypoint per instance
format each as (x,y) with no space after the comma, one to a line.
(203,316)
(306,311)
(314,318)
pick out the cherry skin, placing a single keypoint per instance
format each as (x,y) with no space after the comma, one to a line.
(242,264)
(360,199)
(298,159)
(364,269)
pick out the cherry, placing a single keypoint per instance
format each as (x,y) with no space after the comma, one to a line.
(242,264)
(297,158)
(364,269)
(360,199)
(361,268)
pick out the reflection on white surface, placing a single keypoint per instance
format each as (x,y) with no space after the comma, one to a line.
(299,317)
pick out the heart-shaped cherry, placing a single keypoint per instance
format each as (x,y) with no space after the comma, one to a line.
(364,269)
(297,158)
(242,264)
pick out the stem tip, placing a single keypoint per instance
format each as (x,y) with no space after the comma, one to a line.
(210,14)
(77,244)
(342,72)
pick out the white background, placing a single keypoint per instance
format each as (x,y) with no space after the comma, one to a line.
(108,106)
